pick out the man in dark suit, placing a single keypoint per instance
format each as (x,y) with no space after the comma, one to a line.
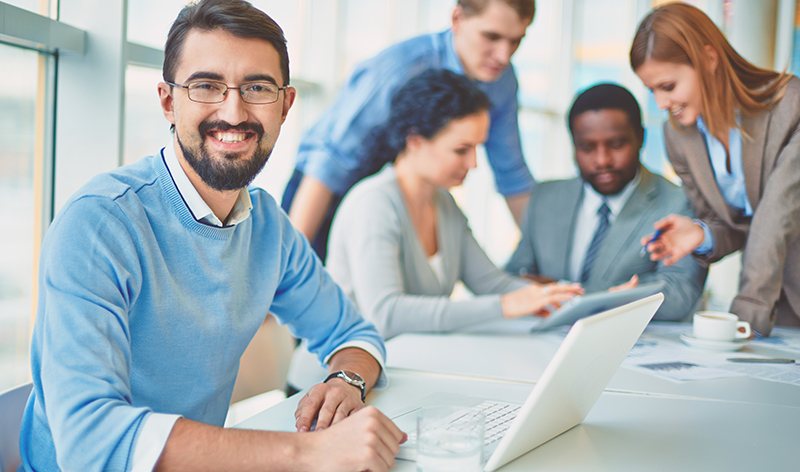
(587,229)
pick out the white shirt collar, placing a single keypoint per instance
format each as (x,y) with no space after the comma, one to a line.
(594,200)
(199,208)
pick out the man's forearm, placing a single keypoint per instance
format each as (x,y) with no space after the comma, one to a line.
(194,446)
(517,204)
(309,206)
(358,361)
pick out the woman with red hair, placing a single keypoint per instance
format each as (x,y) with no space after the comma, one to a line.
(733,139)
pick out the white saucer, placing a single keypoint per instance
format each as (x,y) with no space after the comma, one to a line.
(735,345)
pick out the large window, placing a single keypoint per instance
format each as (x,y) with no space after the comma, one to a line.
(21,146)
(109,62)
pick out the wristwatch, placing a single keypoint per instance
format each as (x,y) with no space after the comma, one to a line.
(351,378)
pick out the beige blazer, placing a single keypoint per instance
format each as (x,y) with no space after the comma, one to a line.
(770,279)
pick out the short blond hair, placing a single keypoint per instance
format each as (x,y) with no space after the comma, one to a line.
(524,8)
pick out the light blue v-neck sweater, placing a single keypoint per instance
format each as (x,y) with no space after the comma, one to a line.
(144,310)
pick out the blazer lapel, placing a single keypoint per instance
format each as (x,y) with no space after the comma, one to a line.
(564,228)
(753,154)
(705,180)
(622,234)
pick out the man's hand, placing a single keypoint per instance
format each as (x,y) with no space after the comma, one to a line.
(680,236)
(367,440)
(633,282)
(329,403)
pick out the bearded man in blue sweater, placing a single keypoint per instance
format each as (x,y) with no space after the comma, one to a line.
(155,277)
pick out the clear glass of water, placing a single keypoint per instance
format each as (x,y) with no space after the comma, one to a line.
(450,438)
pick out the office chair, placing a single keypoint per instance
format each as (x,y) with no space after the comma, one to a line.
(12,404)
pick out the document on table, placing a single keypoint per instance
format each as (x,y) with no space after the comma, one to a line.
(781,338)
(786,373)
(673,361)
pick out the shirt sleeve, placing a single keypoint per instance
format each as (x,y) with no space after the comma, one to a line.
(334,149)
(707,245)
(523,260)
(503,146)
(152,439)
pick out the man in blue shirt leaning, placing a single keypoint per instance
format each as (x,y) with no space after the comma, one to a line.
(331,158)
(155,277)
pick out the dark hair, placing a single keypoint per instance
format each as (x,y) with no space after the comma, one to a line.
(424,106)
(524,8)
(237,17)
(605,97)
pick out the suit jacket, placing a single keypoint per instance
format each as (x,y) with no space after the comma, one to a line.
(548,229)
(769,239)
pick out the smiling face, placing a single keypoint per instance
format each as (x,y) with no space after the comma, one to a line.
(485,42)
(444,160)
(226,143)
(606,149)
(675,87)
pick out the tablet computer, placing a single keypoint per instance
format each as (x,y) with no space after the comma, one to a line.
(582,306)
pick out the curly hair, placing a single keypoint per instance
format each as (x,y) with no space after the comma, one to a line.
(424,106)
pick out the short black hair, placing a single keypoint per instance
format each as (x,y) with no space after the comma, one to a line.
(604,97)
(237,17)
(424,106)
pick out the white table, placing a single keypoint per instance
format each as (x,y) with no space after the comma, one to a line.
(624,431)
(523,357)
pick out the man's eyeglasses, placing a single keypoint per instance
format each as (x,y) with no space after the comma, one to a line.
(254,93)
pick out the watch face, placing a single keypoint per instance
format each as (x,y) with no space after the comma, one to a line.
(353,378)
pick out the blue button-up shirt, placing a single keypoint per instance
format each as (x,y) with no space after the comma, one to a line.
(731,184)
(332,151)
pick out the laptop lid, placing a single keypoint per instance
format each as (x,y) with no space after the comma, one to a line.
(571,383)
(576,377)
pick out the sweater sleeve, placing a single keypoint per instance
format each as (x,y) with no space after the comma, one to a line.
(90,276)
(478,272)
(374,243)
(312,305)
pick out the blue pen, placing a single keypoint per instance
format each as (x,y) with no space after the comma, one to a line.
(656,235)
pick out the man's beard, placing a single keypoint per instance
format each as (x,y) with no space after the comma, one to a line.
(229,173)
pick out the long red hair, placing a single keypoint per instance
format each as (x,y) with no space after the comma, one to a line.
(679,33)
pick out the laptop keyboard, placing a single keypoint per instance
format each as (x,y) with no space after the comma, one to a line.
(499,417)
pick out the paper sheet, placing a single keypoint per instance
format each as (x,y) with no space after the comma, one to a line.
(781,338)
(658,352)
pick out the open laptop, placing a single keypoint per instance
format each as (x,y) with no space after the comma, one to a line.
(568,388)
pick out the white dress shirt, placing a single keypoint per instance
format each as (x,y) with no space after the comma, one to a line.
(588,219)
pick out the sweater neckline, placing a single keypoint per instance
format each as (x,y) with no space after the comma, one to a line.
(176,201)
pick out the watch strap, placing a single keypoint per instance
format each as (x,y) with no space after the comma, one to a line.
(352,379)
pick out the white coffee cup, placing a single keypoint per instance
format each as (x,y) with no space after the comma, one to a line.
(719,326)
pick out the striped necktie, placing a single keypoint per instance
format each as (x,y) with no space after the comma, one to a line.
(597,241)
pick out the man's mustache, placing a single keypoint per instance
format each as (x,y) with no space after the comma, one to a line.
(207,126)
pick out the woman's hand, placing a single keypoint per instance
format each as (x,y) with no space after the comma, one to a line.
(536,299)
(680,236)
